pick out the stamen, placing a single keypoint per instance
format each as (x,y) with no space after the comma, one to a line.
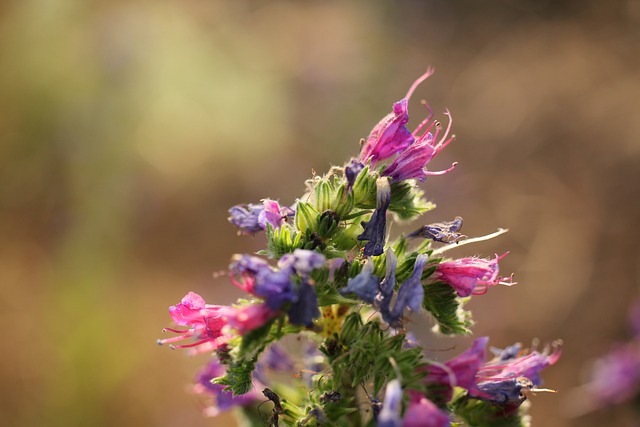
(422,78)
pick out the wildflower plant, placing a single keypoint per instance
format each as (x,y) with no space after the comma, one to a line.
(333,276)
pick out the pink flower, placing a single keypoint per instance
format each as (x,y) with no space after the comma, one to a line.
(204,321)
(248,317)
(423,413)
(458,372)
(273,214)
(471,276)
(412,162)
(390,136)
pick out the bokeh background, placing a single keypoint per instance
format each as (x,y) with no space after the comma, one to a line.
(127,128)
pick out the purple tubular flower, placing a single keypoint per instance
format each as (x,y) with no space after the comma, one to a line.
(245,217)
(443,232)
(222,400)
(303,261)
(507,392)
(365,285)
(412,162)
(471,276)
(424,413)
(526,365)
(351,172)
(390,414)
(385,293)
(305,308)
(375,229)
(274,214)
(410,294)
(390,136)
(275,287)
(616,376)
(244,269)
(274,358)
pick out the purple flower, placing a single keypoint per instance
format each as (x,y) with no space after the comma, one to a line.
(390,414)
(411,163)
(303,261)
(410,294)
(390,136)
(423,413)
(507,381)
(616,376)
(244,269)
(275,358)
(365,284)
(245,217)
(471,276)
(385,292)
(274,214)
(221,400)
(375,229)
(443,232)
(252,217)
(305,309)
(351,172)
(507,392)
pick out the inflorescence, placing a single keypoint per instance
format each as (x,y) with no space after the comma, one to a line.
(332,276)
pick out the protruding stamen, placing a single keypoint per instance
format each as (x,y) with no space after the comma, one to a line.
(415,84)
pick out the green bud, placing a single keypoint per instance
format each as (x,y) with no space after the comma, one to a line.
(306,217)
(328,223)
(324,195)
(344,202)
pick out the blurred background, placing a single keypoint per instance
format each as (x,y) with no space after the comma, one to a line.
(127,129)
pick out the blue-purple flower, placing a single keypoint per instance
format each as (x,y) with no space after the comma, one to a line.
(251,218)
(219,399)
(390,414)
(364,285)
(375,229)
(410,294)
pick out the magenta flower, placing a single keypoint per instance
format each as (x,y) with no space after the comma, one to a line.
(390,136)
(246,318)
(507,378)
(458,372)
(471,276)
(205,322)
(423,413)
(220,400)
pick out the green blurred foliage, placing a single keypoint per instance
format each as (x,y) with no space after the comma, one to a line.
(127,128)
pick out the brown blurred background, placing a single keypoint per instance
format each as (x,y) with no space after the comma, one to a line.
(127,128)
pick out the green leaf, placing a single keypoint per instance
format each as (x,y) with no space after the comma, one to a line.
(444,304)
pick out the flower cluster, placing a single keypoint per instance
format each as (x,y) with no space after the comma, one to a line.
(332,276)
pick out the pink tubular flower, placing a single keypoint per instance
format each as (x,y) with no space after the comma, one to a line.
(412,162)
(471,276)
(458,372)
(248,317)
(204,321)
(423,413)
